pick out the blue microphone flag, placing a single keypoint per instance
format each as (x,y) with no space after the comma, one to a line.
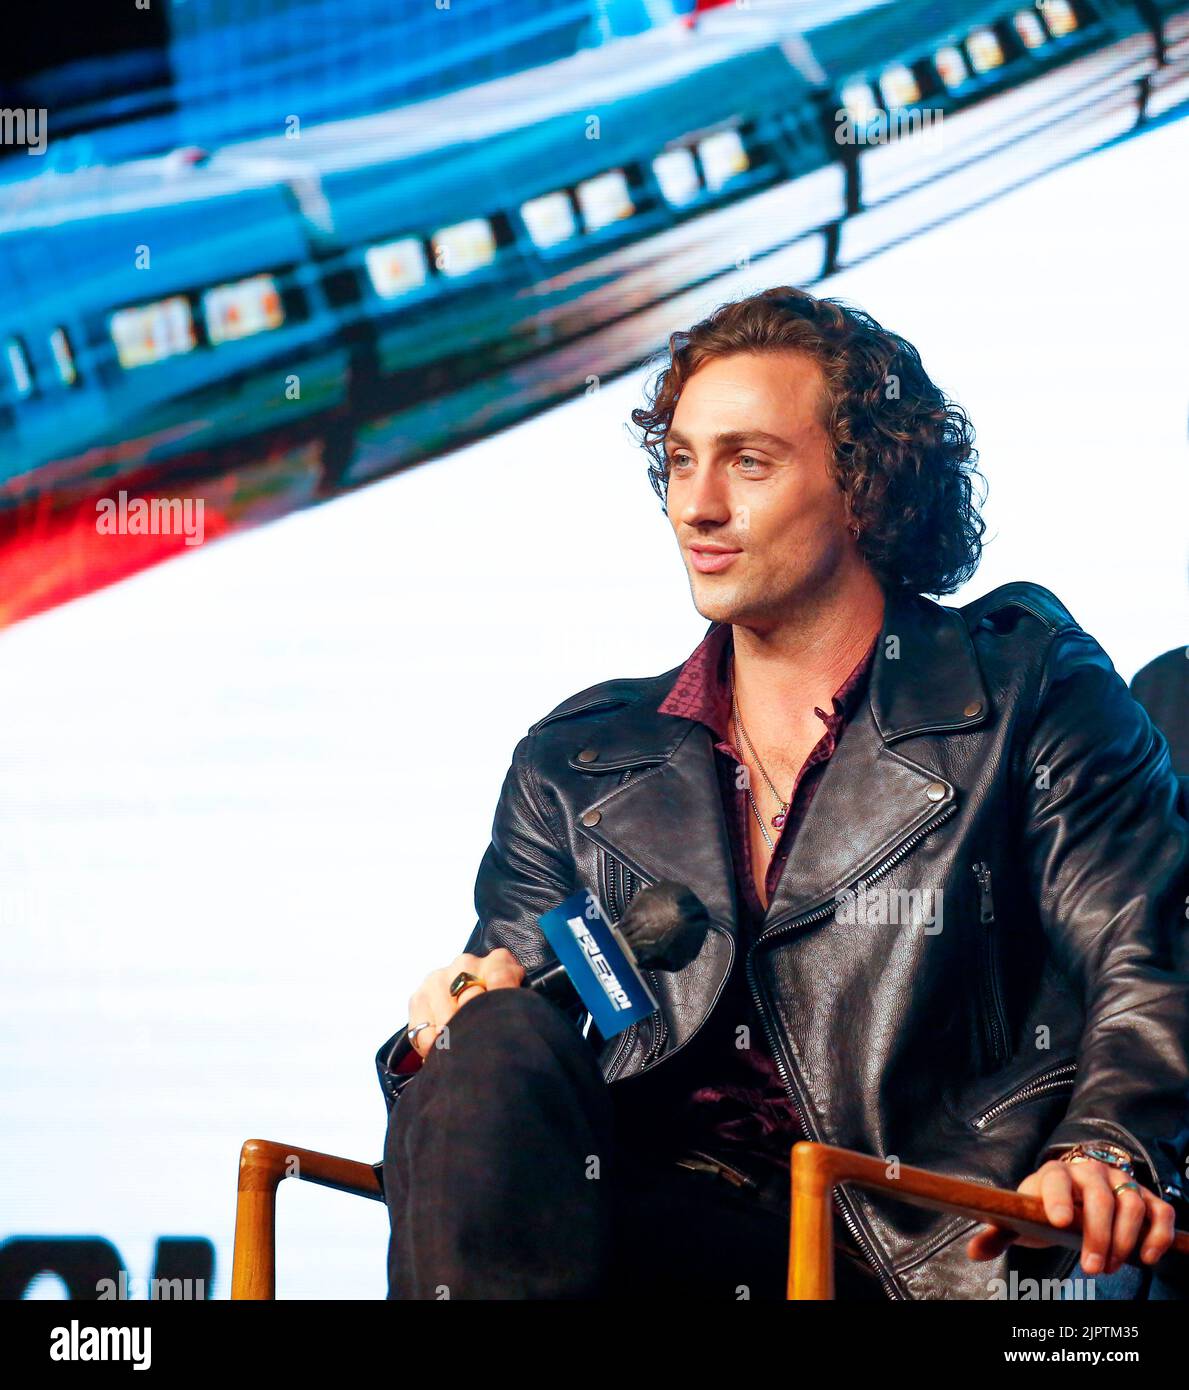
(599,963)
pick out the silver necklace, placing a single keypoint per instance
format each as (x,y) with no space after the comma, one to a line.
(781,816)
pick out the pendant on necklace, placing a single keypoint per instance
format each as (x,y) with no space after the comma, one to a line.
(778,819)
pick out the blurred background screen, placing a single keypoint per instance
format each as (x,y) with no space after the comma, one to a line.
(320,326)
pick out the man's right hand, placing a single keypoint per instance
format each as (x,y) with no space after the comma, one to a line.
(431,1002)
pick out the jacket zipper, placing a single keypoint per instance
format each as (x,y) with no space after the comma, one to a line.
(631,888)
(617,901)
(994,999)
(820,914)
(662,1028)
(611,868)
(1053,1078)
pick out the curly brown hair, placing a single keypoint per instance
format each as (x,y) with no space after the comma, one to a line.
(903,454)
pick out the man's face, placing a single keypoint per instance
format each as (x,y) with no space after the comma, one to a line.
(748,470)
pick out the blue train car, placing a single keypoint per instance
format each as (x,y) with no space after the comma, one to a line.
(491,227)
(391,286)
(152,312)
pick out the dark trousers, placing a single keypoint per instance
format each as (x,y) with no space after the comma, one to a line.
(511,1171)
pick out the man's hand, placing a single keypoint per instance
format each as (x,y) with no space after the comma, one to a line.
(431,1002)
(1110,1222)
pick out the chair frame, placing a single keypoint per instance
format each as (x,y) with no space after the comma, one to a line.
(816,1170)
(263,1166)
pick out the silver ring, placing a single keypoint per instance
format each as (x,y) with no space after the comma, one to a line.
(411,1033)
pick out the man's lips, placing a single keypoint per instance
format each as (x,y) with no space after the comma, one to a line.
(710,560)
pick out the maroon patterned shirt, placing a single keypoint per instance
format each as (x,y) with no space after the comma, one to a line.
(739,1101)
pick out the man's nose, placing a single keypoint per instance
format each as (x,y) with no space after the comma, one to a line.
(703,497)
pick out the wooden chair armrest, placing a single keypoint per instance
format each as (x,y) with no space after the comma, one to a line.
(817,1168)
(263,1165)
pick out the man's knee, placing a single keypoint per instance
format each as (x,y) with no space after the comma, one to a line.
(506,1036)
(510,1058)
(515,1099)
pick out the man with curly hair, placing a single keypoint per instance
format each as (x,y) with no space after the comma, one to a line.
(942,851)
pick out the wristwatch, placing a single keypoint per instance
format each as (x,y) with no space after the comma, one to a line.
(1100,1151)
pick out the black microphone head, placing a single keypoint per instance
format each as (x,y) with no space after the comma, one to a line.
(665,925)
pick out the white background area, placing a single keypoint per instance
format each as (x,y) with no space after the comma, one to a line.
(245,794)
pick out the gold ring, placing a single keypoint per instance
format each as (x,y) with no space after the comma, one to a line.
(463,981)
(1123,1186)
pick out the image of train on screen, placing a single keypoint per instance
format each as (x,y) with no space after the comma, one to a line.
(366,293)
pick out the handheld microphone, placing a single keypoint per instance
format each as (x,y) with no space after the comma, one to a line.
(663,928)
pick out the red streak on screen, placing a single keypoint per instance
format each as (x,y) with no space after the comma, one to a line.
(52,550)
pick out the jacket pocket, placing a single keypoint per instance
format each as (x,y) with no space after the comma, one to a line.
(994,1016)
(1058,1077)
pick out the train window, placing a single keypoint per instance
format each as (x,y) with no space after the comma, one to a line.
(242,308)
(152,332)
(951,66)
(899,87)
(550,218)
(605,199)
(927,80)
(986,52)
(1030,29)
(677,174)
(18,367)
(860,103)
(63,357)
(1060,17)
(397,267)
(464,247)
(723,157)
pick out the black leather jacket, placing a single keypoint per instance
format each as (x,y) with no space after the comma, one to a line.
(998,758)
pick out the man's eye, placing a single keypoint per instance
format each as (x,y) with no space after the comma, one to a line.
(679,460)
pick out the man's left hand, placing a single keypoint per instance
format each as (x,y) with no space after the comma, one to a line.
(1111,1222)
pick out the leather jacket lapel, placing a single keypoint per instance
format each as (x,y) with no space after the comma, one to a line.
(868,803)
(666,821)
(872,798)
